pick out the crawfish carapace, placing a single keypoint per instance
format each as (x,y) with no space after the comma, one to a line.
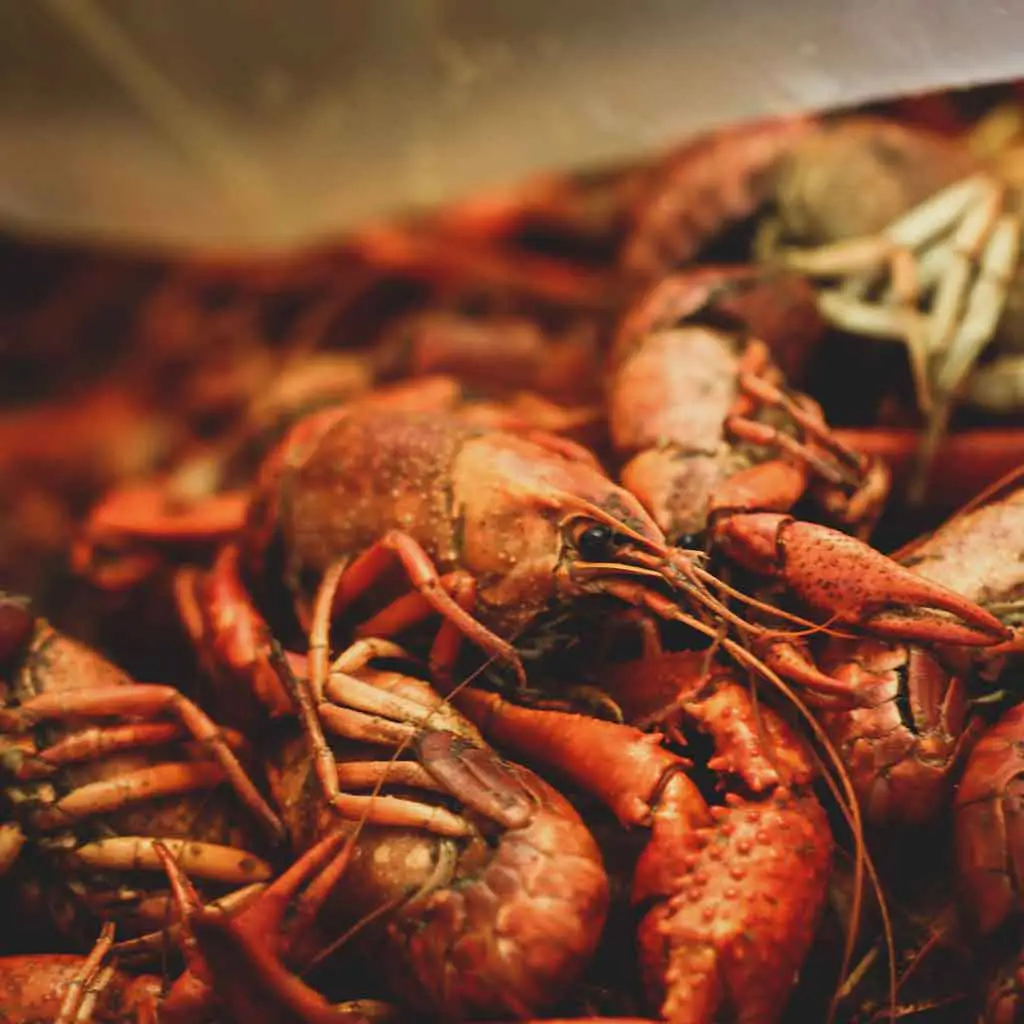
(493,901)
(701,418)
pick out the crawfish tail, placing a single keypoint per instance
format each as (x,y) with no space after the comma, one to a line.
(513,937)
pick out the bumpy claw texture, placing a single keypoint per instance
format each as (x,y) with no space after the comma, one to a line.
(840,576)
(730,895)
(735,906)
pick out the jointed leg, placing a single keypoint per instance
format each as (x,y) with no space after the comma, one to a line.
(112,794)
(916,249)
(757,390)
(88,981)
(377,809)
(149,700)
(98,742)
(242,960)
(360,575)
(209,862)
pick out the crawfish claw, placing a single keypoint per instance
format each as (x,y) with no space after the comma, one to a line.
(846,579)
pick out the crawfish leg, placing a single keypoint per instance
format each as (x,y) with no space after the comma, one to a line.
(243,953)
(363,572)
(410,609)
(87,981)
(315,715)
(145,699)
(226,628)
(984,243)
(123,790)
(961,348)
(101,741)
(843,308)
(209,862)
(758,389)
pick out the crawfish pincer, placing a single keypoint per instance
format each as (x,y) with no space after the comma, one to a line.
(730,893)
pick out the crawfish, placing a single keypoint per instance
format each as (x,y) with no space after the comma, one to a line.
(492,909)
(989,846)
(903,743)
(64,988)
(905,220)
(990,850)
(132,527)
(700,415)
(235,969)
(97,767)
(442,873)
(496,531)
(729,892)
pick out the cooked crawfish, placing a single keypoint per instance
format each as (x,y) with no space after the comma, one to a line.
(496,531)
(729,893)
(494,908)
(235,970)
(903,743)
(97,768)
(455,836)
(921,235)
(64,988)
(989,849)
(702,419)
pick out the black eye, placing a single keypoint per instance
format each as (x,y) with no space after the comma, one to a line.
(690,540)
(594,543)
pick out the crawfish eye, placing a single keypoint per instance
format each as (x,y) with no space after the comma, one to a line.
(595,543)
(691,541)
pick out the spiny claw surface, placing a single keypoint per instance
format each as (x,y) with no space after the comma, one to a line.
(846,579)
(737,904)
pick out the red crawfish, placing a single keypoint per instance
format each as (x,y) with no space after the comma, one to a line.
(465,834)
(729,892)
(990,850)
(234,966)
(903,742)
(135,529)
(700,415)
(912,236)
(989,838)
(490,906)
(96,768)
(489,888)
(496,531)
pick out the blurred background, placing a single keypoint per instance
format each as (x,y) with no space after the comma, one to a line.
(258,124)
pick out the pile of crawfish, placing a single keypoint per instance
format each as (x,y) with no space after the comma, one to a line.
(479,619)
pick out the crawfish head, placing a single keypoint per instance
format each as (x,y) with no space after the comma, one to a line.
(540,530)
(529,523)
